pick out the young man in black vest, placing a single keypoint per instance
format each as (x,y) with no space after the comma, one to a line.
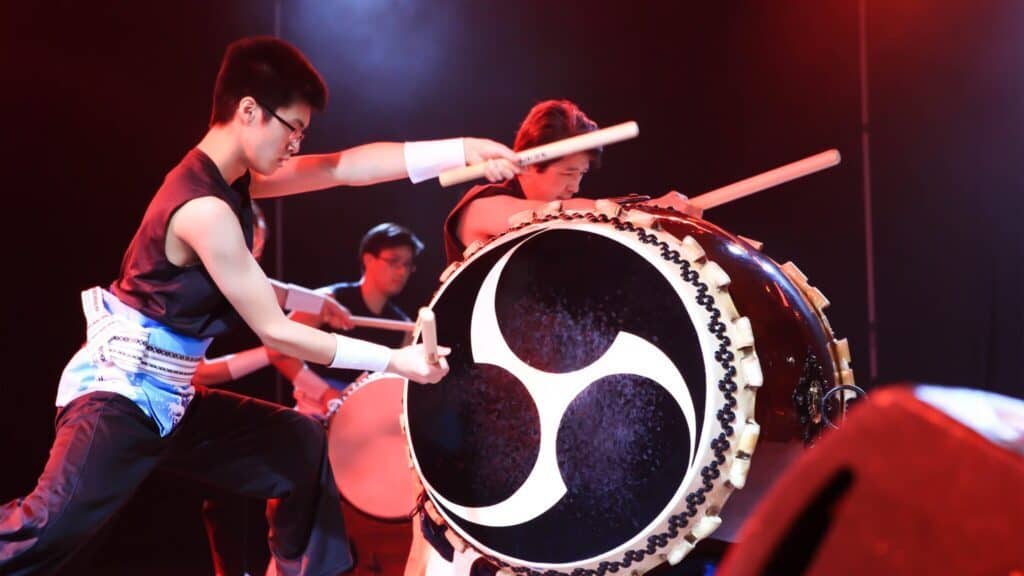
(126,404)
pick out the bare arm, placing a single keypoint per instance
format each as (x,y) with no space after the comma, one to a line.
(291,367)
(359,166)
(489,216)
(369,164)
(308,388)
(210,229)
(215,371)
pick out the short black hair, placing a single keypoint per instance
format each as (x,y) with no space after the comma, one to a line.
(553,120)
(388,235)
(271,71)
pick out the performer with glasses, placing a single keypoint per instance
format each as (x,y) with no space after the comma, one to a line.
(126,403)
(387,256)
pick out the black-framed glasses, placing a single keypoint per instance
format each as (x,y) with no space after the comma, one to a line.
(296,135)
(397,263)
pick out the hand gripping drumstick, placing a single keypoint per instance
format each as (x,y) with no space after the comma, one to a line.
(745,187)
(550,151)
(428,333)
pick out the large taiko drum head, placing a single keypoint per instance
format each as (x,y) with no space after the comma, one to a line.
(600,407)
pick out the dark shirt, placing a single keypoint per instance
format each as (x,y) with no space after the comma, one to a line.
(453,247)
(184,299)
(349,295)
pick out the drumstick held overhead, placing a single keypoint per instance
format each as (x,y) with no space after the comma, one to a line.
(558,149)
(428,334)
(765,180)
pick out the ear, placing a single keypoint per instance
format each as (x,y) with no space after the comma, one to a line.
(366,258)
(248,110)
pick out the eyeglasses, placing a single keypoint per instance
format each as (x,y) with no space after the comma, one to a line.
(296,135)
(399,263)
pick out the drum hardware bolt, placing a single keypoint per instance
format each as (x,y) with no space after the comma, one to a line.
(706,526)
(744,451)
(752,371)
(679,551)
(748,439)
(790,360)
(608,208)
(843,352)
(755,244)
(449,271)
(846,377)
(642,219)
(743,333)
(794,274)
(716,275)
(818,300)
(739,471)
(550,209)
(692,251)
(521,218)
(473,248)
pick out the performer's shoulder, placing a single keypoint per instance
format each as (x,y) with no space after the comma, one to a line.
(347,293)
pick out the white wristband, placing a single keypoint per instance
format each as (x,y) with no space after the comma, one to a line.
(428,158)
(303,299)
(360,354)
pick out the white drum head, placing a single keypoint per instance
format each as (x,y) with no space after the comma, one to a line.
(367,449)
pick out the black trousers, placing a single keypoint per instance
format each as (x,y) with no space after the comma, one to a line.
(106,446)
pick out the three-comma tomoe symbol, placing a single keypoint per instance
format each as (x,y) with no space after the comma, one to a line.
(552,394)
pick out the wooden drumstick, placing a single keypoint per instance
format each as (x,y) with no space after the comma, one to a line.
(747,186)
(550,151)
(428,334)
(383,323)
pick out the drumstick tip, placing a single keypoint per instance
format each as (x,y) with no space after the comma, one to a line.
(834,156)
(428,334)
(426,315)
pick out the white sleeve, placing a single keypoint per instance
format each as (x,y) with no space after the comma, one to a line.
(303,299)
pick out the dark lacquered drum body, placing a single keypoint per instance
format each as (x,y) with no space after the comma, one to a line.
(611,374)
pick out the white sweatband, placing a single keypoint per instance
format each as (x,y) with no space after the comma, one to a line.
(360,355)
(301,299)
(428,158)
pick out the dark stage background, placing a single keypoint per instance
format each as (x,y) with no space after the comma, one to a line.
(101,99)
